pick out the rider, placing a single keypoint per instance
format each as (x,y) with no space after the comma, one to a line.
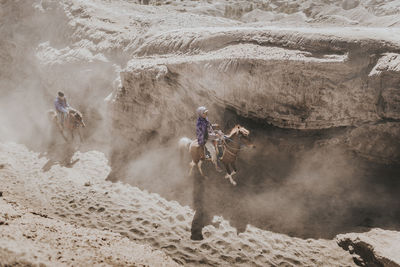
(62,107)
(204,131)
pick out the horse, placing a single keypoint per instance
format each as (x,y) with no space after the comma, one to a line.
(72,123)
(232,144)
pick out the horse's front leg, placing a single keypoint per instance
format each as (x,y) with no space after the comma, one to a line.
(234,168)
(229,174)
(80,135)
(192,164)
(228,170)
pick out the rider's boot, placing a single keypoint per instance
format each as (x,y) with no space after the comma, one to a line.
(207,153)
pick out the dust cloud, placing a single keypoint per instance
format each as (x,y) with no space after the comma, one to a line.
(30,79)
(297,182)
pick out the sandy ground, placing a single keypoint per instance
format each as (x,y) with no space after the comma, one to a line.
(80,196)
(31,238)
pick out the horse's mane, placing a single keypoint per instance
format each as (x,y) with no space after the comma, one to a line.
(233,131)
(237,129)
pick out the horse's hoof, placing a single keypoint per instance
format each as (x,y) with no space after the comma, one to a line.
(234,183)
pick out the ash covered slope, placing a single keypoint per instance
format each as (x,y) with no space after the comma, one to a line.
(146,218)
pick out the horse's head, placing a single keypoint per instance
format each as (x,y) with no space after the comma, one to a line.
(244,135)
(78,118)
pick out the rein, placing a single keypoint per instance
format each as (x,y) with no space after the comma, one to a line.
(230,147)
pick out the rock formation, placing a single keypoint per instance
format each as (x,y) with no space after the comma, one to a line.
(374,248)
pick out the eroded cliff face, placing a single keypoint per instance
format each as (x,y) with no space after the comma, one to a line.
(297,78)
(289,82)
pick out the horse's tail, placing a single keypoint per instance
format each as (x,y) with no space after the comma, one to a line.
(183,146)
(184,143)
(51,113)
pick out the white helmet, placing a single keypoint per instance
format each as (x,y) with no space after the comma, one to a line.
(201,110)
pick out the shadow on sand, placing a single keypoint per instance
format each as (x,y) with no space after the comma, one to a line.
(294,208)
(59,154)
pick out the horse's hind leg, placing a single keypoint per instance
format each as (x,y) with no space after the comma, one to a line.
(200,170)
(191,164)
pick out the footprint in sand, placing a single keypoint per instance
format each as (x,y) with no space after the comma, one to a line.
(101,209)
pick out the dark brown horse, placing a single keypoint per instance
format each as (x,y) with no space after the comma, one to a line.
(72,123)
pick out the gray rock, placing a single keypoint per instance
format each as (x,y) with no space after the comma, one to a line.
(374,248)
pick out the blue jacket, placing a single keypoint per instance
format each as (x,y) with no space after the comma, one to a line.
(202,128)
(61,105)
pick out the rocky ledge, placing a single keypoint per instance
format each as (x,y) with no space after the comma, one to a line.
(374,248)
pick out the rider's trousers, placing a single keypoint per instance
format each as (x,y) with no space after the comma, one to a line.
(61,117)
(210,147)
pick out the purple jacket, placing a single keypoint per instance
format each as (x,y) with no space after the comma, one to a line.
(202,128)
(61,105)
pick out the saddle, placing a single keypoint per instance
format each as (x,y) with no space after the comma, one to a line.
(207,153)
(195,143)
